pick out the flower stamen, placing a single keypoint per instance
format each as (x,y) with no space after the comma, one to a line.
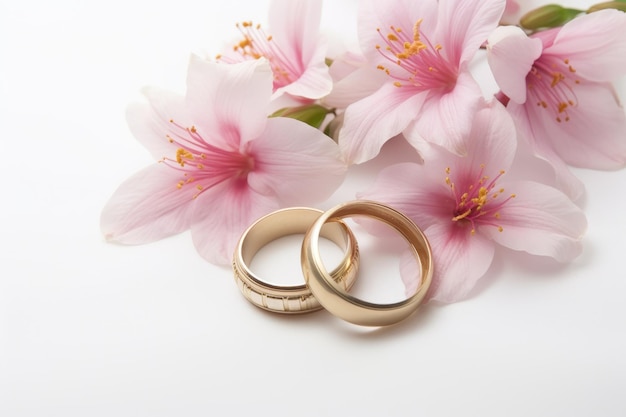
(551,83)
(257,44)
(415,61)
(217,164)
(479,205)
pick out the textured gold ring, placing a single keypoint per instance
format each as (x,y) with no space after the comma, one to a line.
(298,298)
(335,299)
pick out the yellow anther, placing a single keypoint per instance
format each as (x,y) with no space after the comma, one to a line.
(462,215)
(416,30)
(397,84)
(182,155)
(392,37)
(557,77)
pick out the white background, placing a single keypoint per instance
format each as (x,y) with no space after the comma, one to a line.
(94,329)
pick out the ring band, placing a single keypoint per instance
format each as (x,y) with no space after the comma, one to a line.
(339,302)
(298,298)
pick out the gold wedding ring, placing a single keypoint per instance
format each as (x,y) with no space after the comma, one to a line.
(337,300)
(298,298)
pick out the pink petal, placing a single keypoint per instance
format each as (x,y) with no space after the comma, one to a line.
(314,83)
(463,26)
(413,190)
(446,119)
(409,272)
(594,44)
(229,98)
(355,86)
(511,13)
(491,141)
(540,220)
(149,122)
(511,54)
(295,162)
(146,207)
(595,135)
(375,14)
(566,181)
(345,64)
(460,260)
(530,166)
(223,214)
(295,26)
(371,122)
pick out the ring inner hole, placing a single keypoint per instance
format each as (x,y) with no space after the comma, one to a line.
(383,250)
(278,262)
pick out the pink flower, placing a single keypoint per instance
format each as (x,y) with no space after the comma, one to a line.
(465,206)
(222,162)
(293,46)
(558,83)
(424,48)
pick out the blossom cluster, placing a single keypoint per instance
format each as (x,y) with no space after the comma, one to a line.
(275,122)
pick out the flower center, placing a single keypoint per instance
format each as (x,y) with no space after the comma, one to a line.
(478,202)
(415,60)
(550,83)
(256,44)
(202,165)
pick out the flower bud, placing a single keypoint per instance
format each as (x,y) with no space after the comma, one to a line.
(619,5)
(311,114)
(548,16)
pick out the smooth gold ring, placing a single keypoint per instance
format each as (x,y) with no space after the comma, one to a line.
(336,300)
(298,298)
